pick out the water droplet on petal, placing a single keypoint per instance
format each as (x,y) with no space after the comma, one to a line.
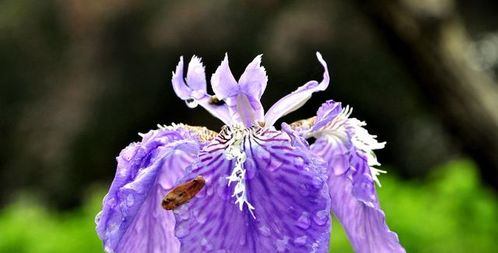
(182,212)
(222,181)
(201,193)
(321,217)
(206,245)
(111,202)
(181,230)
(282,244)
(128,153)
(112,228)
(223,192)
(242,241)
(108,248)
(300,241)
(200,215)
(317,182)
(191,103)
(97,217)
(304,190)
(210,191)
(265,231)
(130,199)
(299,161)
(304,221)
(274,164)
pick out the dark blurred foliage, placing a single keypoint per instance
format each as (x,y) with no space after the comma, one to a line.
(81,78)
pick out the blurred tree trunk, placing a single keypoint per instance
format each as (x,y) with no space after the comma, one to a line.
(430,39)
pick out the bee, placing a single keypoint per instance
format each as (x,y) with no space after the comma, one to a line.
(213,100)
(183,193)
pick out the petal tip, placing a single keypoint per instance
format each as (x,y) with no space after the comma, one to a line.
(196,60)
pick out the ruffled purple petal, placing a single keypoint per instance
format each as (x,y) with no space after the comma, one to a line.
(223,83)
(253,81)
(194,91)
(132,219)
(347,148)
(281,205)
(298,97)
(355,204)
(196,78)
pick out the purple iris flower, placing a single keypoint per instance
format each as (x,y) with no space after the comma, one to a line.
(266,190)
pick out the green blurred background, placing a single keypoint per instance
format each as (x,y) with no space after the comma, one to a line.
(80,78)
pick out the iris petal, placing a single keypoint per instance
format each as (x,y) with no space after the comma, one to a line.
(179,86)
(242,98)
(288,194)
(132,219)
(223,83)
(194,91)
(253,81)
(245,109)
(298,97)
(355,204)
(347,149)
(196,78)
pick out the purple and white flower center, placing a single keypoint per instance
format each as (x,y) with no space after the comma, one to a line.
(235,151)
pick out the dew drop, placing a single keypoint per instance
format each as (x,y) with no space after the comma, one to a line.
(181,230)
(112,228)
(111,202)
(200,215)
(206,245)
(128,153)
(274,164)
(191,103)
(265,231)
(321,217)
(299,162)
(242,240)
(130,199)
(317,182)
(304,221)
(97,217)
(304,190)
(222,181)
(201,193)
(108,248)
(210,191)
(300,241)
(223,192)
(282,244)
(182,212)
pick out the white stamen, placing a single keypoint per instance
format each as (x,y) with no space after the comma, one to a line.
(236,152)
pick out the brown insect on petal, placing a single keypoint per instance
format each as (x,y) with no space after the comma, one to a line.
(213,100)
(183,193)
